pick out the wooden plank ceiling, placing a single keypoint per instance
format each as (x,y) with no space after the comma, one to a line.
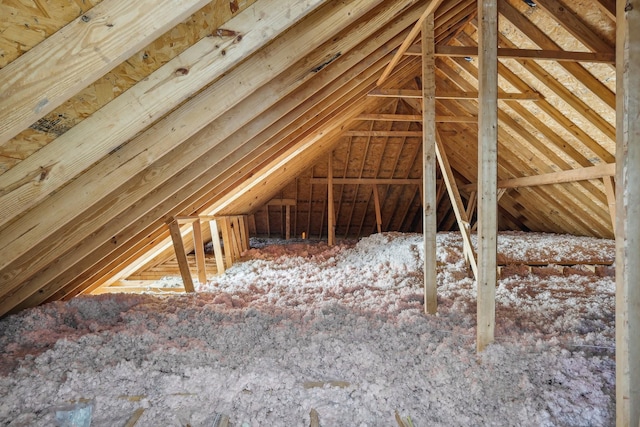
(110,124)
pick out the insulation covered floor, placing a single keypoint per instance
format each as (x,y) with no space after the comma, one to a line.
(340,330)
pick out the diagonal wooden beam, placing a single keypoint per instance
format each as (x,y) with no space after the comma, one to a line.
(545,42)
(108,129)
(198,244)
(456,203)
(575,26)
(610,191)
(78,54)
(431,7)
(181,256)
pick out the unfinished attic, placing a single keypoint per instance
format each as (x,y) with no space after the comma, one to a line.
(457,219)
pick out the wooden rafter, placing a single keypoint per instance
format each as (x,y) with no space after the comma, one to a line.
(31,85)
(431,7)
(32,180)
(212,158)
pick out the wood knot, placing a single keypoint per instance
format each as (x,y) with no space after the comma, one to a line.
(628,7)
(223,32)
(182,71)
(44,172)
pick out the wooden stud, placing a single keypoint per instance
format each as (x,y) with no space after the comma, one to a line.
(246,244)
(376,203)
(628,214)
(252,225)
(236,237)
(199,251)
(471,204)
(487,170)
(227,240)
(217,247)
(314,418)
(288,222)
(429,203)
(181,256)
(609,190)
(331,231)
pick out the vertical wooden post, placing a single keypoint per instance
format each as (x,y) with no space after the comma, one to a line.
(246,235)
(236,236)
(252,225)
(266,209)
(217,248)
(609,190)
(487,169)
(331,230)
(227,240)
(288,222)
(627,213)
(181,256)
(198,246)
(376,203)
(429,202)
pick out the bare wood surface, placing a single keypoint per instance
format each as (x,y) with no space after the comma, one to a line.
(429,202)
(627,215)
(32,86)
(431,7)
(181,256)
(487,170)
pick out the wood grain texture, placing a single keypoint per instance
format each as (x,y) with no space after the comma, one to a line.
(108,129)
(429,202)
(90,46)
(487,170)
(628,215)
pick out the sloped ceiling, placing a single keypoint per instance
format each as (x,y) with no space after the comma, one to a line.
(117,116)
